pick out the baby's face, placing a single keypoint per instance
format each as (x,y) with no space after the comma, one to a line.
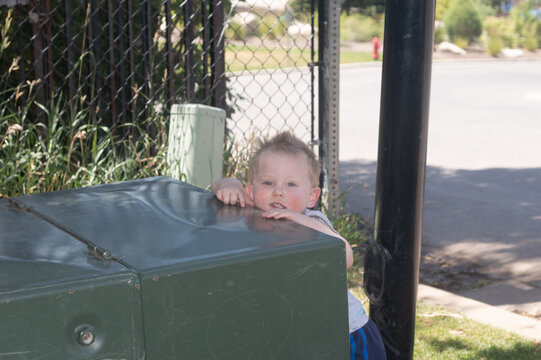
(283,181)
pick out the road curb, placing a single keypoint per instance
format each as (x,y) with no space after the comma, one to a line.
(486,314)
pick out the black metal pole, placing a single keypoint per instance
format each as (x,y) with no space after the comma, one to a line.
(392,262)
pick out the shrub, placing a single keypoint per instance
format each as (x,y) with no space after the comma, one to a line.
(439,34)
(461,42)
(237,31)
(358,27)
(463,22)
(494,45)
(502,28)
(484,7)
(531,41)
(526,25)
(441,8)
(300,10)
(272,26)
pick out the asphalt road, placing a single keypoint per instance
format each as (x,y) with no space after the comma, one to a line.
(487,112)
(483,177)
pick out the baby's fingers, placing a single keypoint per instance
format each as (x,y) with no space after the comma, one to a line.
(274,213)
(231,197)
(242,200)
(235,198)
(225,197)
(220,195)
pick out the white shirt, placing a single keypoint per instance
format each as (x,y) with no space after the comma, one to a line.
(357,315)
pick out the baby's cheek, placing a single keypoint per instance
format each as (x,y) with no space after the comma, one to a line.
(296,204)
(260,200)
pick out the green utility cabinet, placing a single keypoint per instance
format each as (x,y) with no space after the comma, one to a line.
(59,302)
(159,269)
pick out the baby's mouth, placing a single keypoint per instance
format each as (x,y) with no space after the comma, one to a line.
(277,206)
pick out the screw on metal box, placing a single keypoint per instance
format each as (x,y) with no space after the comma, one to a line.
(86,337)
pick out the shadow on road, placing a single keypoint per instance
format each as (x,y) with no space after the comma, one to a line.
(490,216)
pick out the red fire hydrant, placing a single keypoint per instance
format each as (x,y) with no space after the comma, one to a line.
(375,48)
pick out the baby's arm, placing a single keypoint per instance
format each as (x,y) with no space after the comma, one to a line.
(230,191)
(313,223)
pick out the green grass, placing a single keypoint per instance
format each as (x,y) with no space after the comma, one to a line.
(351,57)
(443,335)
(440,334)
(241,58)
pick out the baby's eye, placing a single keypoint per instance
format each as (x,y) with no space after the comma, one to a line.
(290,184)
(267,183)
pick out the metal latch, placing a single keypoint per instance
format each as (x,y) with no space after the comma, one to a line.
(99,252)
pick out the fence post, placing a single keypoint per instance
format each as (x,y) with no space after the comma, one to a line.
(188,36)
(218,54)
(329,76)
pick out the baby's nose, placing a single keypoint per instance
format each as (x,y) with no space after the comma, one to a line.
(278,190)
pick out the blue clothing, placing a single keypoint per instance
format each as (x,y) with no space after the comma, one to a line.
(366,343)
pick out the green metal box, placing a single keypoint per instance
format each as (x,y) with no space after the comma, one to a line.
(159,269)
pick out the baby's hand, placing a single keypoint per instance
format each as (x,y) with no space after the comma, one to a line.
(284,214)
(231,192)
(313,223)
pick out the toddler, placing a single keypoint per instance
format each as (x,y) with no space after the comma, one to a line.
(283,182)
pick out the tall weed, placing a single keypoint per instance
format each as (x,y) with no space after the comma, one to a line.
(69,150)
(357,231)
(236,157)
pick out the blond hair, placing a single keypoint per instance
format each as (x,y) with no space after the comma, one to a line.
(286,143)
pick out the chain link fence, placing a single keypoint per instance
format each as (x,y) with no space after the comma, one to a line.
(269,60)
(122,62)
(119,60)
(125,61)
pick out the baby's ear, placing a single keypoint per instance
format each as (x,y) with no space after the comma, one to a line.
(314,195)
(249,191)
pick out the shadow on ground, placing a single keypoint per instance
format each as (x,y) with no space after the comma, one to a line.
(485,222)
